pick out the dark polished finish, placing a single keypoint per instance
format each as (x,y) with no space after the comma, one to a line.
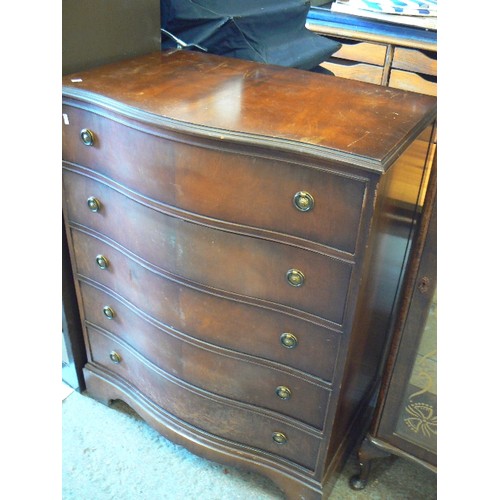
(97,32)
(253,251)
(260,270)
(398,397)
(257,190)
(246,103)
(368,452)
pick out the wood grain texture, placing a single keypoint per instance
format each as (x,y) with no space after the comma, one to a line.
(252,267)
(412,81)
(415,60)
(260,100)
(194,162)
(208,366)
(361,72)
(366,52)
(219,319)
(216,415)
(227,185)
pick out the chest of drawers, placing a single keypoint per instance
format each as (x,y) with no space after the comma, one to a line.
(238,233)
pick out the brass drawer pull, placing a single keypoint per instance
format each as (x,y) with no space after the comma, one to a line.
(87,137)
(115,357)
(303,201)
(295,277)
(283,392)
(102,262)
(279,437)
(94,204)
(108,312)
(288,340)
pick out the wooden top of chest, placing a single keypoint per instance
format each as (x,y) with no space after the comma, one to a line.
(246,102)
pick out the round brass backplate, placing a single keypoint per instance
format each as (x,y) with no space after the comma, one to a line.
(288,340)
(303,201)
(87,137)
(295,277)
(279,438)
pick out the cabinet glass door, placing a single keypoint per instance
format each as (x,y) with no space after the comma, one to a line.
(417,420)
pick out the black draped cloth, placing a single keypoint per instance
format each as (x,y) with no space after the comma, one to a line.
(257,30)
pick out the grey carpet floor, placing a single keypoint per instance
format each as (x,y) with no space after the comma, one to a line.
(111,453)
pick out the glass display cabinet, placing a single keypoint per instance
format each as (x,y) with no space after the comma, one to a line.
(405,418)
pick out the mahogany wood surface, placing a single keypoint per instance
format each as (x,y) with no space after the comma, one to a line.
(245,326)
(236,422)
(194,162)
(252,267)
(210,367)
(243,189)
(231,95)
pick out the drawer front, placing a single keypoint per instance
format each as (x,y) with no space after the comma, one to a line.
(354,71)
(365,52)
(237,188)
(227,261)
(415,61)
(212,369)
(214,415)
(227,323)
(413,82)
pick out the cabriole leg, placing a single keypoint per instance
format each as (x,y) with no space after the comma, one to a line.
(366,453)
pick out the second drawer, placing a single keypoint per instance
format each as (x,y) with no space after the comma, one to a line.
(252,267)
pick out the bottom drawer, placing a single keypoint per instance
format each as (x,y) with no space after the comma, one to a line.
(211,414)
(208,367)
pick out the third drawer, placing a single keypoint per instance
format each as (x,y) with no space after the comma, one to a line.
(222,321)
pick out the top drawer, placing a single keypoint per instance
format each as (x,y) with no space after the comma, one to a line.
(224,185)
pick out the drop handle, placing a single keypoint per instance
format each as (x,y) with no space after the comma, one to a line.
(115,357)
(108,312)
(102,261)
(295,277)
(283,392)
(288,340)
(94,204)
(303,201)
(87,137)
(279,438)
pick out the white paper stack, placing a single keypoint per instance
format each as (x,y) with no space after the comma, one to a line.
(421,13)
